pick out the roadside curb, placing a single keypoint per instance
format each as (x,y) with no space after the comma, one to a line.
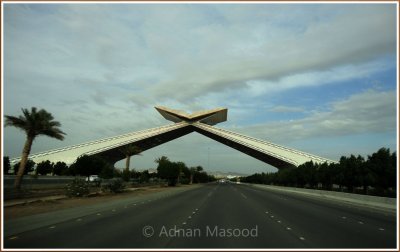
(31,222)
(11,203)
(18,202)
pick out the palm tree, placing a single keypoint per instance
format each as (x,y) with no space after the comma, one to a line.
(161,159)
(130,150)
(34,123)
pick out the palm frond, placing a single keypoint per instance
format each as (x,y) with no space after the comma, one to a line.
(36,122)
(17,122)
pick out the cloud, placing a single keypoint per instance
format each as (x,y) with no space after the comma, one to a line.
(371,111)
(318,78)
(286,109)
(348,38)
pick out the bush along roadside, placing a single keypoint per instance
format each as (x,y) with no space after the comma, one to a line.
(77,188)
(114,186)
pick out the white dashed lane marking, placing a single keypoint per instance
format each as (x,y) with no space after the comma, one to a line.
(13,238)
(289,229)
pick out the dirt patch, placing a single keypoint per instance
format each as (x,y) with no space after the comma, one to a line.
(38,207)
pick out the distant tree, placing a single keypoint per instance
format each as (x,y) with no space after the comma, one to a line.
(29,167)
(338,176)
(201,177)
(126,175)
(186,173)
(325,175)
(192,172)
(211,178)
(144,176)
(6,164)
(89,165)
(349,167)
(107,171)
(118,173)
(168,170)
(44,167)
(364,176)
(181,167)
(34,123)
(60,168)
(383,169)
(162,160)
(393,172)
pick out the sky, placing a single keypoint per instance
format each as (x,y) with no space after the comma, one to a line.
(320,78)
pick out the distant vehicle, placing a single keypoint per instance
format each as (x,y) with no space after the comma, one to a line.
(222,181)
(93,178)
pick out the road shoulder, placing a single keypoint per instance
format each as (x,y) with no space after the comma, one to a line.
(26,223)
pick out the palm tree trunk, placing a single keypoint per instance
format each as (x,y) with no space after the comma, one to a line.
(24,160)
(128,161)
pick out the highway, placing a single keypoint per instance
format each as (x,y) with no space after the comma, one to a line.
(218,215)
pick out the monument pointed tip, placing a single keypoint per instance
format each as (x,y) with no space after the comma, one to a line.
(210,117)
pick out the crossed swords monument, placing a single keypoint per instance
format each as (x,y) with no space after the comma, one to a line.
(202,122)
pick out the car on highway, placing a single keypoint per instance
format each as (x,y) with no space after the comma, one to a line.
(93,178)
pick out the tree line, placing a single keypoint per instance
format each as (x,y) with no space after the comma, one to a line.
(42,168)
(172,172)
(375,175)
(178,172)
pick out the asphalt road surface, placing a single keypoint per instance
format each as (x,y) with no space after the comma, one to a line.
(219,215)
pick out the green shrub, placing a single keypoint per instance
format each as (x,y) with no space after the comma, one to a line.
(184,181)
(77,188)
(114,186)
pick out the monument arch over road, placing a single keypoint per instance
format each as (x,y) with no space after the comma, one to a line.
(202,122)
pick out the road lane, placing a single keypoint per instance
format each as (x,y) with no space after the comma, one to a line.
(327,224)
(229,209)
(203,218)
(121,228)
